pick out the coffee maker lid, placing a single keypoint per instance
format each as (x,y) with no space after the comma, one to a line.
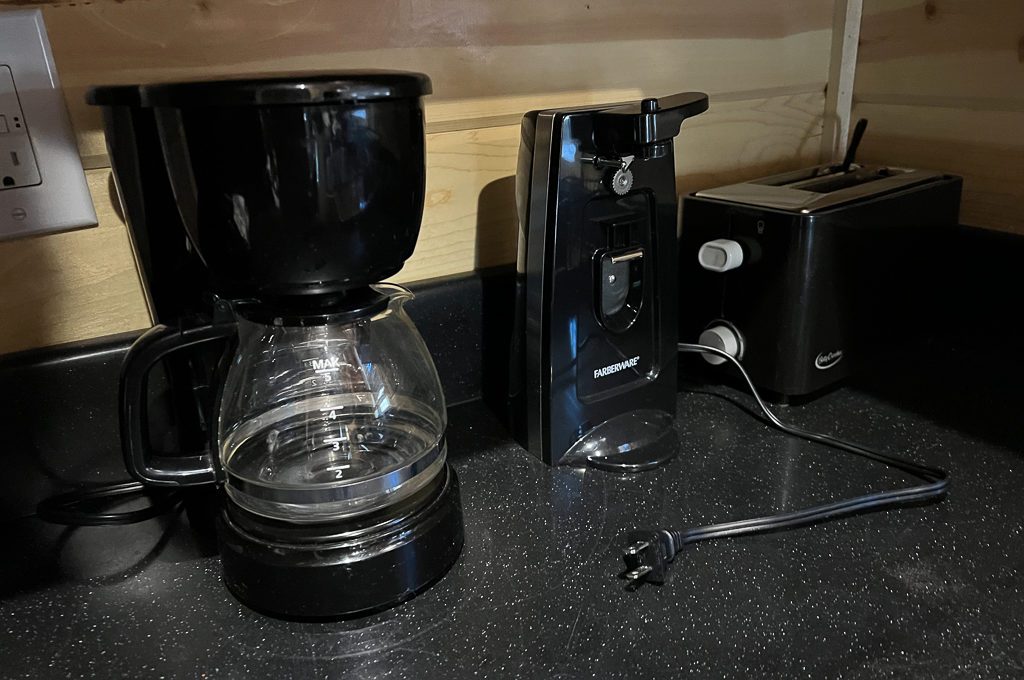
(316,88)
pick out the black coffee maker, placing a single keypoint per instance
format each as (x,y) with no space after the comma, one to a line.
(593,370)
(264,214)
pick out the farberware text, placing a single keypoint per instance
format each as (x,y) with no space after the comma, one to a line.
(615,368)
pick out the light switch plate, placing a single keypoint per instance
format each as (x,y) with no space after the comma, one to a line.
(42,184)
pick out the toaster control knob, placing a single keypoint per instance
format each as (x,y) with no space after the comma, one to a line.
(720,337)
(720,255)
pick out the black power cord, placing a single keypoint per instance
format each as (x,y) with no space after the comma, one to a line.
(650,552)
(83,507)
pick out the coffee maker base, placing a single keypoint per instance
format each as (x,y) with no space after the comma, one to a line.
(344,569)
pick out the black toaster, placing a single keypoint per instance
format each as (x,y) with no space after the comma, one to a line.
(804,276)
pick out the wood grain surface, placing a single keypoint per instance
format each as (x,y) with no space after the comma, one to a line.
(944,49)
(71,286)
(841,74)
(942,83)
(985,147)
(498,53)
(765,65)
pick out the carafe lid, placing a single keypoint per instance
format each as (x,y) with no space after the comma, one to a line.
(339,87)
(319,310)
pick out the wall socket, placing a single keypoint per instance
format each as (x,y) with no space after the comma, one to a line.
(18,166)
(42,184)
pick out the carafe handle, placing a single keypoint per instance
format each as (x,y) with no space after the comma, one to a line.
(140,459)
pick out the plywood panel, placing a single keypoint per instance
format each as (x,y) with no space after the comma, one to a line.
(985,147)
(945,50)
(942,83)
(469,217)
(71,286)
(841,73)
(764,63)
(740,140)
(473,50)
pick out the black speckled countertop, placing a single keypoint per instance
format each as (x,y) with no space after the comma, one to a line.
(930,591)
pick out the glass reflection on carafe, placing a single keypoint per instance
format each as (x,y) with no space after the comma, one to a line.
(325,421)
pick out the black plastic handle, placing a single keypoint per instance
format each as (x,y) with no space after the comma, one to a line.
(851,151)
(140,459)
(630,127)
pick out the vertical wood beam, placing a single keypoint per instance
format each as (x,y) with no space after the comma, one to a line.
(841,72)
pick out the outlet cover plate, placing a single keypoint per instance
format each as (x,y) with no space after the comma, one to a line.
(42,185)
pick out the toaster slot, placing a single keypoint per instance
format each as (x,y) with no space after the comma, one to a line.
(821,188)
(829,183)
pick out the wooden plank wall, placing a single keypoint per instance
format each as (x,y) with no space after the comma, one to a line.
(765,65)
(942,84)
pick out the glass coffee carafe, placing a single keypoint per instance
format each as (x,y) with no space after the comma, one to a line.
(322,422)
(315,422)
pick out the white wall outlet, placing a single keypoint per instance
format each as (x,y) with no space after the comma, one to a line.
(18,167)
(42,184)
